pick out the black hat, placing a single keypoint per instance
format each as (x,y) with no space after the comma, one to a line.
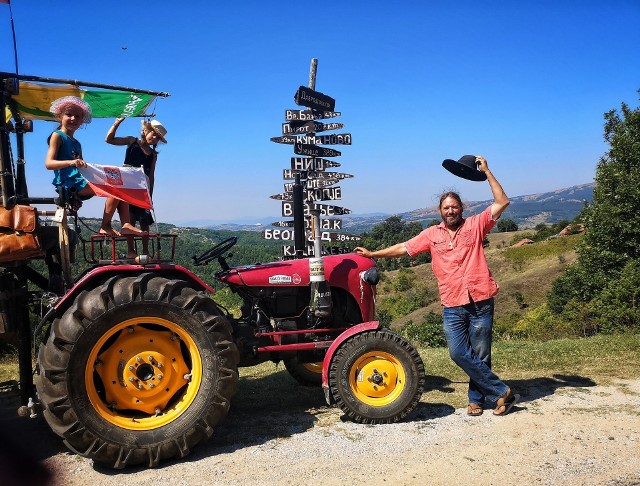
(466,167)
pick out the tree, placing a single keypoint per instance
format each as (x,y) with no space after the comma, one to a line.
(505,225)
(612,221)
(391,231)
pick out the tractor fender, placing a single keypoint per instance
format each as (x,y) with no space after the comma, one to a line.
(102,273)
(357,329)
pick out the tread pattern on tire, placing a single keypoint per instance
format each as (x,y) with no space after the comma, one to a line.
(349,351)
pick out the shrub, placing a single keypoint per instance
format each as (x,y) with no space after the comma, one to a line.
(542,324)
(617,307)
(429,333)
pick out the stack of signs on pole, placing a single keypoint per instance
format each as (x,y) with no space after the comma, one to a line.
(310,163)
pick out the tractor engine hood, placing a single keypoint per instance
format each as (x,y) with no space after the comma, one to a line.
(339,270)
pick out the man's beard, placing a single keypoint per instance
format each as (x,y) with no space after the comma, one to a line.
(452,222)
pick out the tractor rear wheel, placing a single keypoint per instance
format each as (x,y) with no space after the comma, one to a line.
(138,370)
(376,377)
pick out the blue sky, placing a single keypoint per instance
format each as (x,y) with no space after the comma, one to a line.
(525,84)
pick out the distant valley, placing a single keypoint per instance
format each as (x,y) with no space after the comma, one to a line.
(527,211)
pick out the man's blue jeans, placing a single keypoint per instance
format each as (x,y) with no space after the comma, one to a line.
(468,329)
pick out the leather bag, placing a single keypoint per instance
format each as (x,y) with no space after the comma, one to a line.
(19,234)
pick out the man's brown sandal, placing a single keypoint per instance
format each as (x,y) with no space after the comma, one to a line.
(474,410)
(505,403)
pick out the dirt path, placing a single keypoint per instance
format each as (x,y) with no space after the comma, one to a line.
(564,432)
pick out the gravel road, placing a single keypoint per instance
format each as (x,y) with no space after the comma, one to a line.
(566,430)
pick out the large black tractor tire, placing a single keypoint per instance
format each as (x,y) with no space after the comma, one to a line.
(376,377)
(307,374)
(138,370)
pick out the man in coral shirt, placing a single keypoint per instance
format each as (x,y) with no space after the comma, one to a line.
(466,289)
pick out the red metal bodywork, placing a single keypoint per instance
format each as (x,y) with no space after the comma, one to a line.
(103,271)
(365,326)
(341,271)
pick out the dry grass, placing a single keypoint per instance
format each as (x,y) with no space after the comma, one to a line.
(530,273)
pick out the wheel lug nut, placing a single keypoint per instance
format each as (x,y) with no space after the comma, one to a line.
(159,365)
(150,358)
(131,379)
(159,376)
(139,359)
(131,368)
(151,385)
(139,386)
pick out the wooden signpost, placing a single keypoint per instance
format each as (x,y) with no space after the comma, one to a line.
(313,183)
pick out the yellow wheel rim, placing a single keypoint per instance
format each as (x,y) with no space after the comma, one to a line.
(377,378)
(143,373)
(313,367)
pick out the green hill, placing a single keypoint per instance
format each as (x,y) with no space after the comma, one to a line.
(524,274)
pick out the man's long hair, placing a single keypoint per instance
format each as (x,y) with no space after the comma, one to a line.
(452,194)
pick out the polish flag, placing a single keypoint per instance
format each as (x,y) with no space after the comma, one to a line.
(128,184)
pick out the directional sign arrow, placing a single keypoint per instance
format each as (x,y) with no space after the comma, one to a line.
(293,128)
(312,184)
(332,210)
(312,163)
(307,115)
(341,237)
(288,234)
(325,224)
(283,224)
(327,175)
(290,174)
(277,234)
(314,99)
(324,194)
(315,151)
(321,194)
(289,251)
(285,139)
(333,139)
(325,210)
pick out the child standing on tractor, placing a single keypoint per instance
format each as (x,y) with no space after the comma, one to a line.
(64,156)
(141,152)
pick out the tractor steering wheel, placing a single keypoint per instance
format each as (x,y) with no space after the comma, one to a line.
(215,252)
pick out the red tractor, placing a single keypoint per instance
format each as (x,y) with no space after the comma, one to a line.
(136,361)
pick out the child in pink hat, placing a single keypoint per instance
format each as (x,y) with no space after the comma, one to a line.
(64,156)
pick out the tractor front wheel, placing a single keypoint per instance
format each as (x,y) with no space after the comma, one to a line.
(138,370)
(376,377)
